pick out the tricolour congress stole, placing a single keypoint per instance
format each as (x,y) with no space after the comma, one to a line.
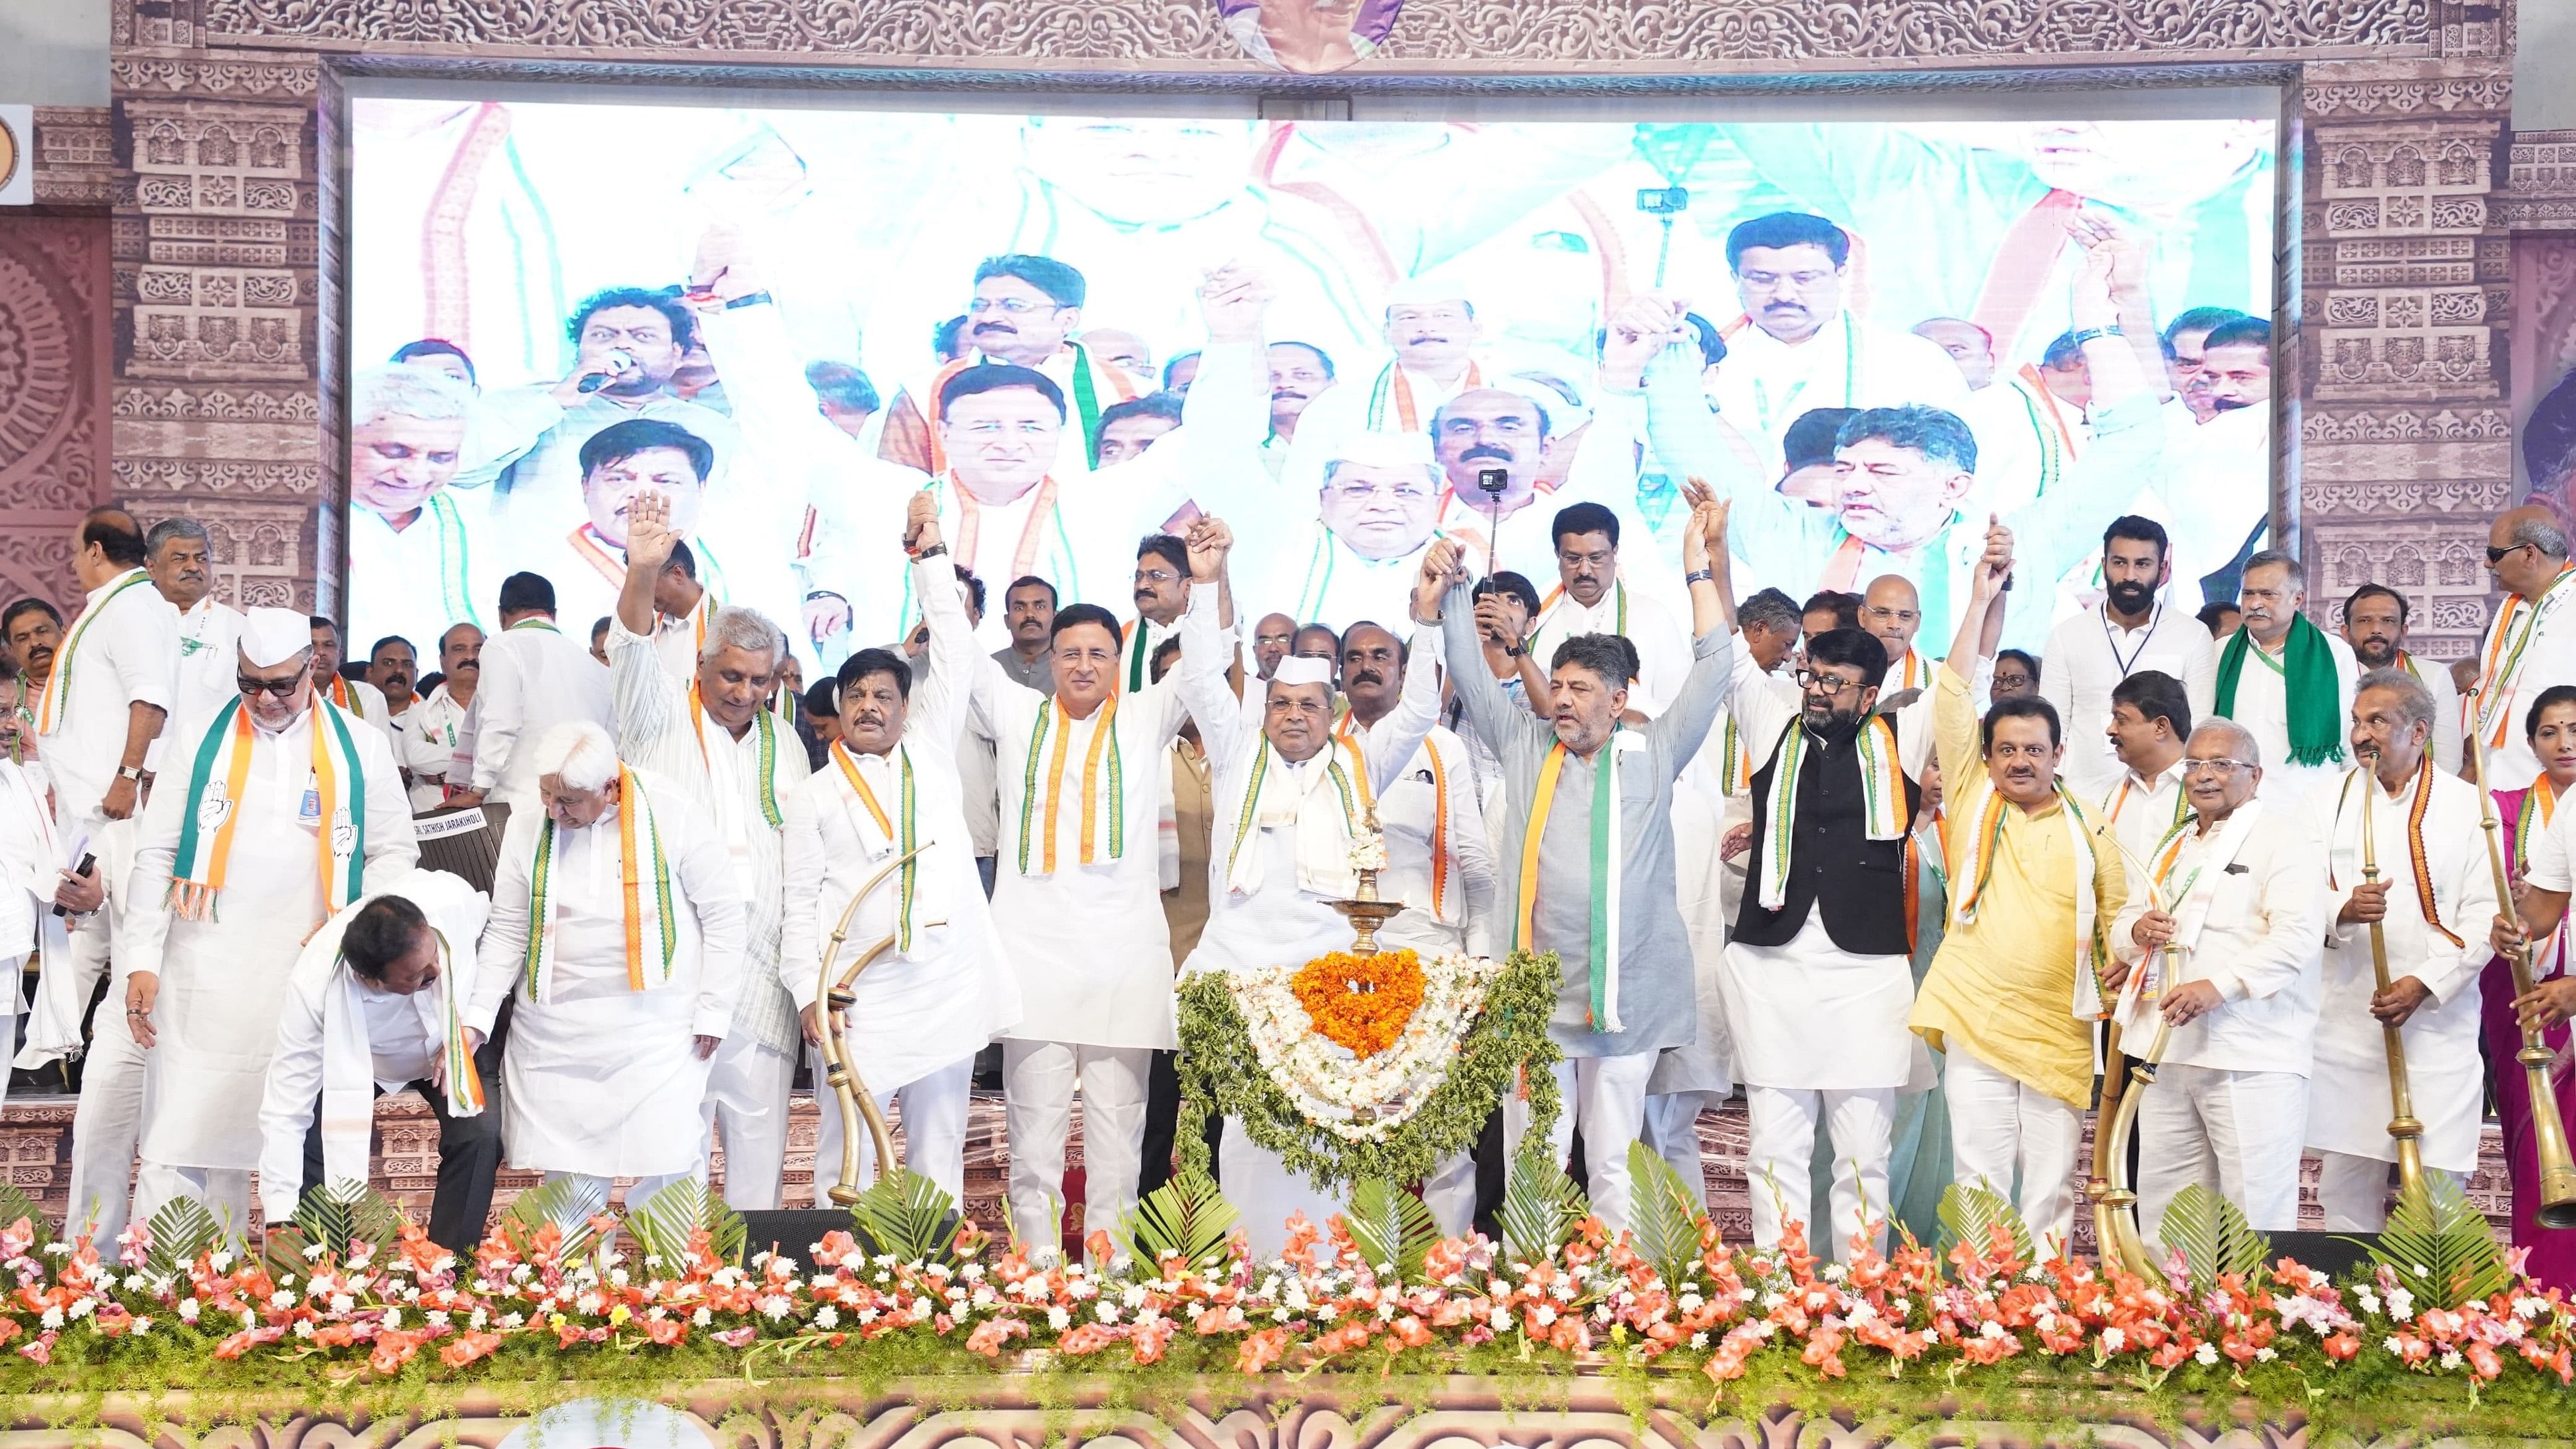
(1054,722)
(458,1075)
(1322,844)
(644,888)
(2415,856)
(1607,857)
(58,685)
(217,781)
(1969,856)
(902,835)
(1882,783)
(767,723)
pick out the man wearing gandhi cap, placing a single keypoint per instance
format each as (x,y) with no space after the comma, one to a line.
(269,817)
(1290,794)
(1378,508)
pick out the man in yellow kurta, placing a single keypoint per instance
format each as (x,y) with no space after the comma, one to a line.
(2021,975)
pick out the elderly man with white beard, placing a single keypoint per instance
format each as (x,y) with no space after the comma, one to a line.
(269,819)
(617,930)
(1290,796)
(714,738)
(889,786)
(2432,890)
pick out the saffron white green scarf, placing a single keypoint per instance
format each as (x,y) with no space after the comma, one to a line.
(219,778)
(644,881)
(1882,783)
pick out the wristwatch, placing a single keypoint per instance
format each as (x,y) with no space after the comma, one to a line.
(934,551)
(1699,576)
(130,772)
(747,299)
(2093,334)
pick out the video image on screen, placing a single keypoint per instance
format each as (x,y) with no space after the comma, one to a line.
(1078,331)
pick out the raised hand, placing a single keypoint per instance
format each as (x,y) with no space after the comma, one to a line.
(921,522)
(723,269)
(1232,299)
(1441,567)
(1703,535)
(1995,564)
(1644,326)
(1209,542)
(649,534)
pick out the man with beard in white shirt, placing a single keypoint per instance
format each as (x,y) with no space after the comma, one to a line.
(2374,624)
(2131,630)
(179,554)
(716,740)
(2243,909)
(437,723)
(2280,676)
(890,786)
(2421,893)
(534,677)
(1590,597)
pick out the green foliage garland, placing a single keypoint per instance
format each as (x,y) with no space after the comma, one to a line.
(1221,1072)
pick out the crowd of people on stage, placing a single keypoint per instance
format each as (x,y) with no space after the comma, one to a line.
(1890,886)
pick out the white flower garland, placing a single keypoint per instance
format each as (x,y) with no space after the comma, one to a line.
(1361,1100)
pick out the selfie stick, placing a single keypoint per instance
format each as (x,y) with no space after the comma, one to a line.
(1493,481)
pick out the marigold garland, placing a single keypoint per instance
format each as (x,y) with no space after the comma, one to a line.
(1360,1002)
(1221,1072)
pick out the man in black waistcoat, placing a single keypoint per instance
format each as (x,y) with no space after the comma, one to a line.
(1816,977)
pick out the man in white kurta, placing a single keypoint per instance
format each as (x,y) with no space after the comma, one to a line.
(2237,893)
(113,685)
(714,737)
(2150,719)
(1078,904)
(435,728)
(890,786)
(2130,632)
(31,873)
(258,833)
(1439,859)
(2425,833)
(612,1023)
(1591,598)
(534,677)
(2374,624)
(176,552)
(2531,643)
(375,1005)
(2260,675)
(1306,794)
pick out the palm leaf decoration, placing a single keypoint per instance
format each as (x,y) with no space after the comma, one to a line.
(182,1231)
(665,1224)
(1970,1214)
(568,1202)
(1541,1205)
(15,1205)
(908,1217)
(1186,1217)
(1663,1214)
(342,1217)
(1390,1227)
(2441,1248)
(2213,1238)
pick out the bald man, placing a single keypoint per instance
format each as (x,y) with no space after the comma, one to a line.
(1893,611)
(2531,644)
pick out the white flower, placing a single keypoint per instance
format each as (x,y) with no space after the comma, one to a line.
(393,1318)
(438,1316)
(478,1319)
(2392,1345)
(1059,1320)
(827,1317)
(513,1320)
(2368,1300)
(2450,1358)
(2401,1304)
(1544,1314)
(134,1283)
(52,1318)
(1502,1320)
(2113,1340)
(775,1307)
(1992,1329)
(617,1277)
(222,1259)
(342,1303)
(281,1299)
(313,1252)
(1699,1340)
(2265,1355)
(702,1317)
(2206,1353)
(187,1310)
(1105,1312)
(304,1328)
(141,1327)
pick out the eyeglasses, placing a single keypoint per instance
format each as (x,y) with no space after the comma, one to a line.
(2012,681)
(1829,683)
(1155,576)
(277,688)
(2499,555)
(1008,306)
(2192,767)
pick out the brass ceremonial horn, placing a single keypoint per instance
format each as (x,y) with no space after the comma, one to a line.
(2548,1129)
(855,1102)
(2115,1220)
(2404,1127)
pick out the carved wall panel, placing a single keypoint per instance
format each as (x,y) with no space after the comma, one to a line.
(54,345)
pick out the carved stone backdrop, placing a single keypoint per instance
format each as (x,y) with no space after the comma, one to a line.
(2396,433)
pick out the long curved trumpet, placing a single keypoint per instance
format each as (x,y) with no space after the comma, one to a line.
(2404,1127)
(2548,1128)
(2114,1199)
(857,1105)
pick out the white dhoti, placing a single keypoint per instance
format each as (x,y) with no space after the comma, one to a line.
(2016,1141)
(930,1112)
(747,1101)
(2235,1132)
(107,1124)
(1780,1158)
(1606,1097)
(604,1086)
(2354,1191)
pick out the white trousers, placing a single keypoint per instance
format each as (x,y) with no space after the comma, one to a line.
(225,1191)
(1672,1131)
(1038,1079)
(107,1125)
(2014,1140)
(636,1196)
(2238,1133)
(1267,1194)
(931,1110)
(1606,1097)
(747,1100)
(1780,1157)
(1450,1193)
(2354,1191)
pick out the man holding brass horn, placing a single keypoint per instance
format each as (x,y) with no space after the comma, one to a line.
(2397,1029)
(888,787)
(2247,910)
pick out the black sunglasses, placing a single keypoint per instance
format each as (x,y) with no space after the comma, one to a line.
(2498,555)
(280,688)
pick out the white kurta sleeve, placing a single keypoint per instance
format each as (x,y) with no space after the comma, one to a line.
(800,933)
(2199,670)
(1475,852)
(146,924)
(704,871)
(2467,906)
(1198,680)
(1417,709)
(144,651)
(392,848)
(294,1087)
(2291,899)
(940,707)
(500,709)
(1762,705)
(648,701)
(503,951)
